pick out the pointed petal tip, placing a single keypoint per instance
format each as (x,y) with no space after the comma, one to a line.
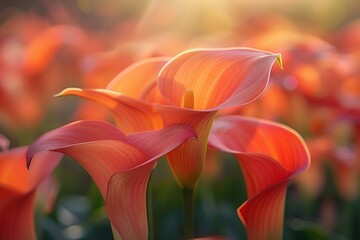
(66,91)
(28,159)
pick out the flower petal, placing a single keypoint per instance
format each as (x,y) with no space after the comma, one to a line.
(103,158)
(97,146)
(109,154)
(125,202)
(263,215)
(238,134)
(14,174)
(156,143)
(74,133)
(126,196)
(131,115)
(139,79)
(17,217)
(187,160)
(17,191)
(269,154)
(219,78)
(4,143)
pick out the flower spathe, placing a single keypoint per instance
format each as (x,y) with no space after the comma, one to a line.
(270,155)
(119,164)
(18,188)
(129,96)
(199,83)
(131,115)
(219,78)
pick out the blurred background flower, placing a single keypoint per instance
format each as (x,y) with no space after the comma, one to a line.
(46,46)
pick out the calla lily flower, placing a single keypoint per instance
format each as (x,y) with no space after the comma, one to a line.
(18,189)
(199,83)
(190,88)
(119,164)
(270,155)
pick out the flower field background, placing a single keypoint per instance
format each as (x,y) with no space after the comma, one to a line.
(53,54)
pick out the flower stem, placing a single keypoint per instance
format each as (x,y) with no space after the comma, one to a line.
(189,222)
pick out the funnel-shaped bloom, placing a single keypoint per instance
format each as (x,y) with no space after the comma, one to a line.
(270,155)
(120,165)
(201,82)
(18,188)
(189,88)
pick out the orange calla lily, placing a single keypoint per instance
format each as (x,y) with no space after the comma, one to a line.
(119,164)
(201,82)
(270,155)
(189,88)
(18,188)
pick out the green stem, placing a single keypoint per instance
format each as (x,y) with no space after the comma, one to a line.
(189,222)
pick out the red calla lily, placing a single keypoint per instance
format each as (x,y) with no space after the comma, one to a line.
(270,155)
(119,164)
